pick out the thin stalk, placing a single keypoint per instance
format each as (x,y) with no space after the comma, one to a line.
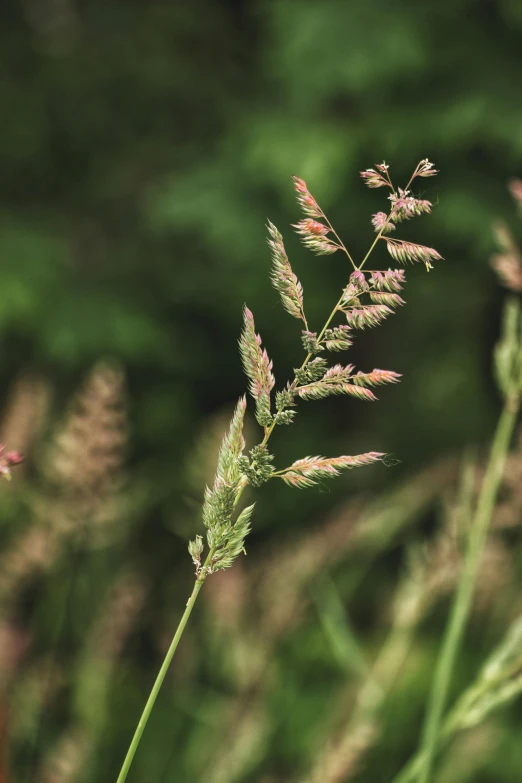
(452,724)
(341,245)
(163,671)
(463,598)
(67,586)
(379,235)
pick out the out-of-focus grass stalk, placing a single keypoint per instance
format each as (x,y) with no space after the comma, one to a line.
(417,593)
(464,595)
(499,682)
(67,589)
(337,628)
(508,366)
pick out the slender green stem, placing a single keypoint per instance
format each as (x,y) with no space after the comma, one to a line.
(462,603)
(379,235)
(341,244)
(145,715)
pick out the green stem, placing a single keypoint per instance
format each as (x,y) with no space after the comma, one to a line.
(341,245)
(145,715)
(379,235)
(462,603)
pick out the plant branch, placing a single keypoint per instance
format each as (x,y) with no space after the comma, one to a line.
(163,670)
(341,244)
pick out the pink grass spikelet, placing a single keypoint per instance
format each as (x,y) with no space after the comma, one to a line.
(403,251)
(357,285)
(392,300)
(338,373)
(338,339)
(375,179)
(368,316)
(360,392)
(232,445)
(381,222)
(308,471)
(257,367)
(306,201)
(314,236)
(256,363)
(336,380)
(405,206)
(376,378)
(350,295)
(391,280)
(425,169)
(358,280)
(282,277)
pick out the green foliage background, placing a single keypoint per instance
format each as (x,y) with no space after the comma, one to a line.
(142,147)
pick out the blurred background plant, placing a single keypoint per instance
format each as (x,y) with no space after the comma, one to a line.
(141,148)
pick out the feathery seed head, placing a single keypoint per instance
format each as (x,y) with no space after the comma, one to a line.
(284,417)
(391,280)
(358,280)
(308,471)
(376,378)
(405,206)
(312,372)
(231,541)
(336,380)
(282,277)
(425,169)
(195,549)
(305,199)
(350,295)
(257,367)
(232,446)
(366,301)
(367,316)
(258,468)
(381,222)
(338,338)
(375,179)
(310,342)
(314,236)
(284,399)
(392,300)
(403,251)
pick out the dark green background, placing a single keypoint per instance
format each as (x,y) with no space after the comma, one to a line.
(142,147)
